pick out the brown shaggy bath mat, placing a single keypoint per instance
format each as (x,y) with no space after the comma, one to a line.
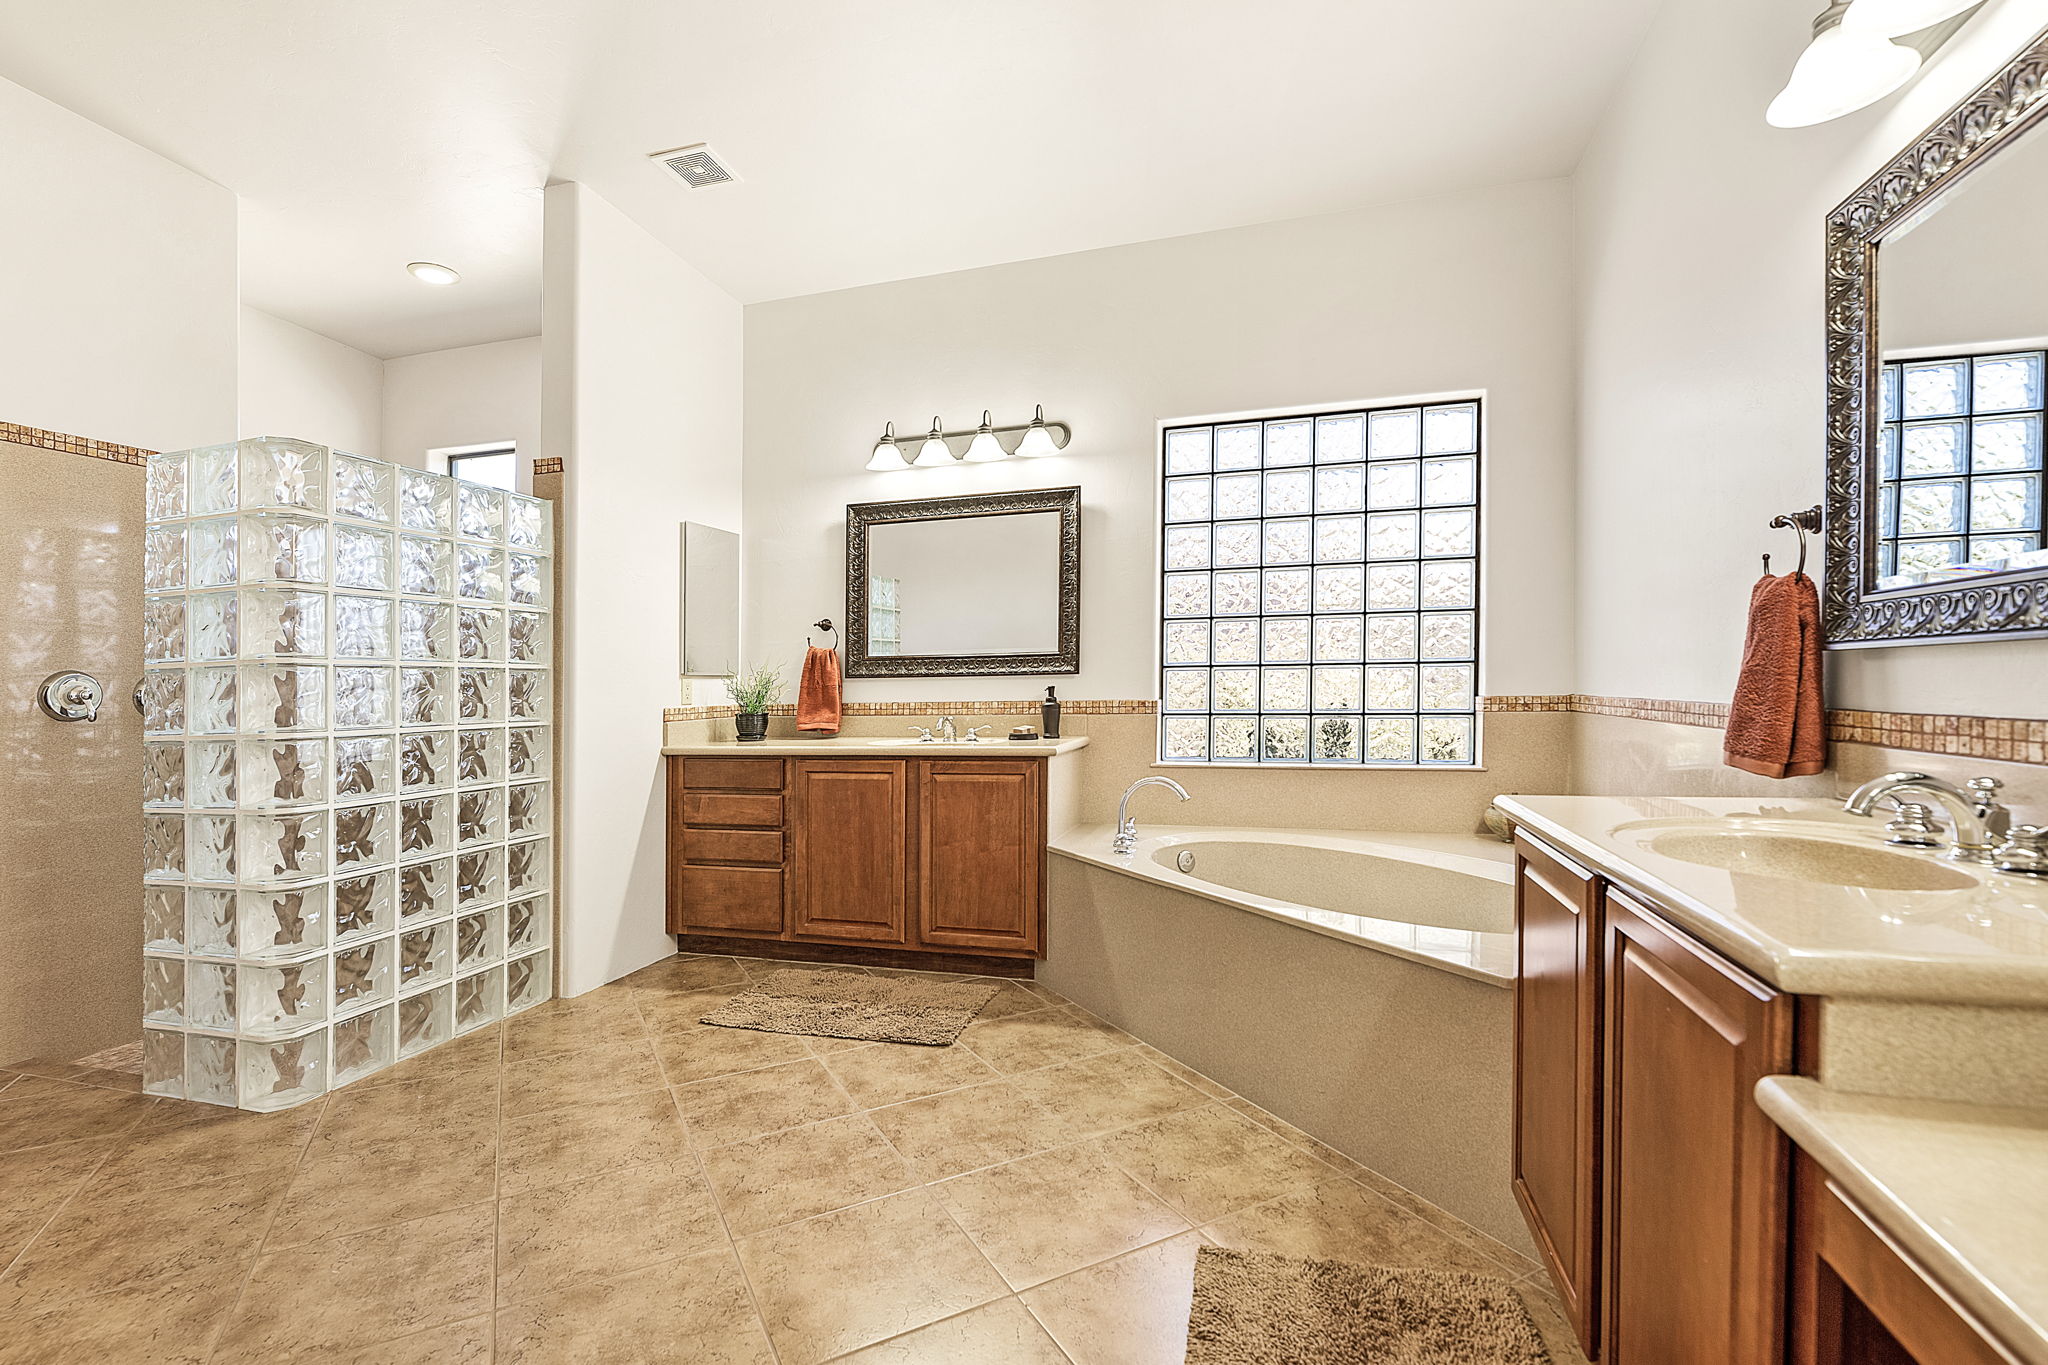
(1254,1309)
(882,1009)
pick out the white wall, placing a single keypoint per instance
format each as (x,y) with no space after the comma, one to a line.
(117,298)
(1465,292)
(642,399)
(1701,387)
(468,396)
(295,382)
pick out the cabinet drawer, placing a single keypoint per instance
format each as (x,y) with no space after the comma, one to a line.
(732,808)
(733,846)
(742,899)
(753,774)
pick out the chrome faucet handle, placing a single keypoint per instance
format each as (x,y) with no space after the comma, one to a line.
(1913,827)
(2025,850)
(1984,793)
(975,732)
(923,733)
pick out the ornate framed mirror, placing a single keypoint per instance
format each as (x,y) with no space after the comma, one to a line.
(968,586)
(1937,342)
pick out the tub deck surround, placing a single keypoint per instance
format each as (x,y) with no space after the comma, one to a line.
(1958,1187)
(854,746)
(1981,942)
(1445,897)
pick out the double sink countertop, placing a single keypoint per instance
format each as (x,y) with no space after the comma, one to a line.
(887,746)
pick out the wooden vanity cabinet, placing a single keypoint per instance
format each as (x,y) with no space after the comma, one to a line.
(981,855)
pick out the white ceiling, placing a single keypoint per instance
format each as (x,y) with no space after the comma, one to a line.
(876,141)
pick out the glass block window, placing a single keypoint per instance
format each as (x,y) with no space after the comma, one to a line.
(1959,466)
(1320,588)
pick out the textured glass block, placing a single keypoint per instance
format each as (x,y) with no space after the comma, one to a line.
(213,700)
(1288,442)
(479,511)
(212,926)
(210,479)
(2007,382)
(426,566)
(528,808)
(1336,739)
(1187,499)
(1390,739)
(1187,451)
(1237,495)
(1888,393)
(1286,689)
(1888,452)
(1185,689)
(163,558)
(1450,430)
(281,922)
(426,955)
(163,847)
(1450,533)
(282,696)
(163,990)
(426,696)
(1446,739)
(1233,737)
(278,1075)
(163,701)
(426,825)
(365,698)
(212,776)
(479,573)
(528,924)
(281,473)
(1289,493)
(526,694)
(363,488)
(362,558)
(480,756)
(365,836)
(1286,739)
(1339,538)
(365,973)
(1340,489)
(365,766)
(479,999)
(1339,638)
(426,760)
(1235,689)
(365,1044)
(1390,535)
(1390,587)
(365,905)
(213,617)
(529,866)
(1393,484)
(479,876)
(1187,594)
(1934,390)
(526,580)
(1390,689)
(163,774)
(2006,443)
(1927,556)
(1931,508)
(1447,687)
(281,998)
(163,630)
(1395,435)
(212,550)
(1447,635)
(1287,542)
(1449,583)
(279,547)
(284,846)
(282,621)
(1286,590)
(528,521)
(480,694)
(209,1069)
(1238,447)
(480,634)
(1340,440)
(1339,689)
(1998,549)
(163,1063)
(426,631)
(479,817)
(2005,504)
(210,848)
(1934,448)
(1237,544)
(1187,547)
(163,919)
(528,981)
(426,890)
(163,487)
(1450,481)
(527,639)
(1390,637)
(1187,642)
(480,938)
(1340,588)
(426,502)
(1236,642)
(1286,640)
(426,1020)
(363,627)
(210,995)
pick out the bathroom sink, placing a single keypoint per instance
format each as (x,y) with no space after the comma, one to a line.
(1791,857)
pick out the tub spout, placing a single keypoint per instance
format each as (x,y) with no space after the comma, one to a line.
(1126,828)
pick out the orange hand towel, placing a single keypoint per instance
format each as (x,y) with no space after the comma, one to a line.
(1777,726)
(817,692)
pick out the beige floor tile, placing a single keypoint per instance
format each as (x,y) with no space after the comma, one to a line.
(165,1321)
(1000,1333)
(1342,1220)
(407,1108)
(890,1073)
(474,1057)
(455,1343)
(602,1226)
(35,1112)
(1111,1091)
(686,974)
(844,1280)
(35,1183)
(963,1130)
(1045,1215)
(824,1047)
(366,1288)
(698,1054)
(537,1150)
(1551,1323)
(680,1010)
(1129,1311)
(1047,1037)
(222,1142)
(1182,1072)
(1511,1261)
(749,1103)
(568,1026)
(591,1073)
(1012,997)
(1211,1161)
(346,1185)
(801,1172)
(1321,1151)
(758,967)
(694,1310)
(80,1074)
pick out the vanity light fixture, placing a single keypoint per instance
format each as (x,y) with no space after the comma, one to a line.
(1852,61)
(428,272)
(986,444)
(1038,438)
(887,454)
(933,450)
(1890,18)
(985,448)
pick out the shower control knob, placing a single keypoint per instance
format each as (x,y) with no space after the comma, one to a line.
(71,695)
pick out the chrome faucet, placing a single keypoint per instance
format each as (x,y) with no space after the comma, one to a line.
(1977,822)
(1127,828)
(947,731)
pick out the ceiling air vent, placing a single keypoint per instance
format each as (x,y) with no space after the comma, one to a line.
(696,165)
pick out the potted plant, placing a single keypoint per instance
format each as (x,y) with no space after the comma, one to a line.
(753,692)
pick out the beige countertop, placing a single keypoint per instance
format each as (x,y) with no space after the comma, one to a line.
(1983,943)
(854,746)
(1963,1188)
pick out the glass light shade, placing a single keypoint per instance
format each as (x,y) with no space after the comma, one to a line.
(1840,72)
(1890,18)
(985,448)
(887,455)
(1037,442)
(933,450)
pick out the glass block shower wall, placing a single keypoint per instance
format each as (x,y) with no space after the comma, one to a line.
(346,707)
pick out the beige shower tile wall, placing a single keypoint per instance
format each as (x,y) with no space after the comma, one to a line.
(70,794)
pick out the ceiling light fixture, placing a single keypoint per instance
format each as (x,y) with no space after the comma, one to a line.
(1891,18)
(933,450)
(986,444)
(427,272)
(887,454)
(1844,68)
(985,448)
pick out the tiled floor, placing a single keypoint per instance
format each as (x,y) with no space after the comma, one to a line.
(605,1180)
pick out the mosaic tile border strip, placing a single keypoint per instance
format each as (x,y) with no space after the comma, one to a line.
(926,708)
(73,445)
(548,464)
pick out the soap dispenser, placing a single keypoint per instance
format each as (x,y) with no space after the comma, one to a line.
(1049,715)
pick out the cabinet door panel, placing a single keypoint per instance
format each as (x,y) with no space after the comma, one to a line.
(981,851)
(1695,1190)
(850,834)
(730,900)
(1556,1146)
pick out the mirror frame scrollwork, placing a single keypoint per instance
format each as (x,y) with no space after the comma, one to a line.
(860,516)
(2004,606)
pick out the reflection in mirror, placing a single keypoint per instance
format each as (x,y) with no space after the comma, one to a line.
(965,585)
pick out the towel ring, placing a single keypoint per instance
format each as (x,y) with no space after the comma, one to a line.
(1802,522)
(824,623)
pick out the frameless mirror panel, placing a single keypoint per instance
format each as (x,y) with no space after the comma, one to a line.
(711,601)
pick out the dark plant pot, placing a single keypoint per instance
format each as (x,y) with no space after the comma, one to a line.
(752,726)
